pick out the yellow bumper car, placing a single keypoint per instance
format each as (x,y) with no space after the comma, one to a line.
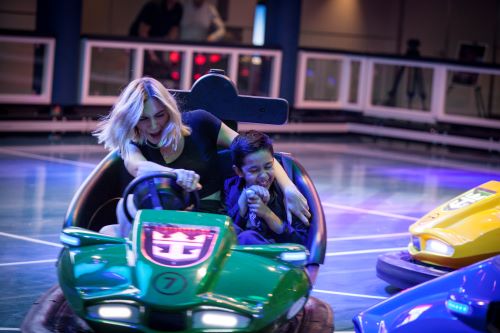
(460,232)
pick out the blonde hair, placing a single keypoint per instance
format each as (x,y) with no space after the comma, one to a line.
(119,127)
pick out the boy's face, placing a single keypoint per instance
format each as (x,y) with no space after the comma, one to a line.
(257,169)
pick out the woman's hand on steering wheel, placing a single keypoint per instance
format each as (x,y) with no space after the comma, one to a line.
(187,179)
(149,192)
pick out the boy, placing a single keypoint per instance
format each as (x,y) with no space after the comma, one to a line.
(253,200)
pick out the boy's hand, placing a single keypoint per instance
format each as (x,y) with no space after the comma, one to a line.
(262,192)
(256,205)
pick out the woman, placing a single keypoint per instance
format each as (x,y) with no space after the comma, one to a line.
(152,135)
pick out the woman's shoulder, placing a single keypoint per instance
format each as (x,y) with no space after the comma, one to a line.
(198,115)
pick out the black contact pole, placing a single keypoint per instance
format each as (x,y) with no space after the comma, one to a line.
(282,30)
(399,33)
(61,19)
(496,35)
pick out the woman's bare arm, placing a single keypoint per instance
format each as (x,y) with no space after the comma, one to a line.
(226,136)
(137,165)
(295,202)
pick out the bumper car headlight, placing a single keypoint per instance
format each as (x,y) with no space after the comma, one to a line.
(69,240)
(294,256)
(219,319)
(458,307)
(117,312)
(439,247)
(296,307)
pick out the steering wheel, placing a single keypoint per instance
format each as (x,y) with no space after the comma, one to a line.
(158,191)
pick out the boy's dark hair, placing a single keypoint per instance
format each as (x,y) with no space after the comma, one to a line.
(248,143)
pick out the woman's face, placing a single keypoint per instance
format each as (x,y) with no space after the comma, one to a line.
(153,120)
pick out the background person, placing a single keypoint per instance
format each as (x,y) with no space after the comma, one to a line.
(201,22)
(157,19)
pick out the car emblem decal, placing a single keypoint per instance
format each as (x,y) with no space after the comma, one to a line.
(177,246)
(468,198)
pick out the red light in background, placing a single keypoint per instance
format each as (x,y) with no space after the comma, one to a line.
(200,59)
(175,75)
(196,76)
(244,72)
(175,57)
(213,58)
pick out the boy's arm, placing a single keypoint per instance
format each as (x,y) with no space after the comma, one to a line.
(262,210)
(242,204)
(297,231)
(273,221)
(231,202)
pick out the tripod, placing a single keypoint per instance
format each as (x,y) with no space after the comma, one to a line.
(415,85)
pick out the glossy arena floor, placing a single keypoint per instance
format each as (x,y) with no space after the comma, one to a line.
(371,192)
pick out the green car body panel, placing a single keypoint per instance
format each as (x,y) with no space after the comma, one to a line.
(252,281)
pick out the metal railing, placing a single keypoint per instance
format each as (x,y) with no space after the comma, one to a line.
(107,66)
(26,64)
(413,90)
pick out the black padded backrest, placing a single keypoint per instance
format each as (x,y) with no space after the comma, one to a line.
(225,165)
(316,241)
(93,205)
(217,94)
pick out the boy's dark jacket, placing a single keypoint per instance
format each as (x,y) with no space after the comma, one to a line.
(294,233)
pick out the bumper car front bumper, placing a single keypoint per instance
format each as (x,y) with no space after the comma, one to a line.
(402,271)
